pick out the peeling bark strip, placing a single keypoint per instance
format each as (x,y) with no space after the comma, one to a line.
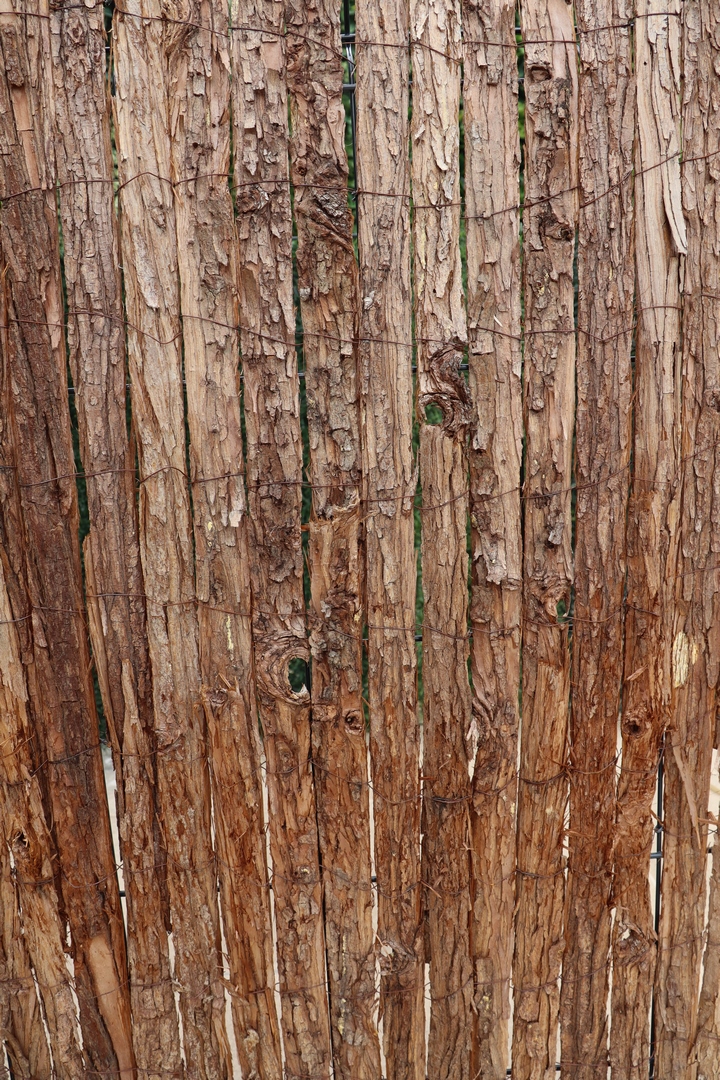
(117,621)
(492,162)
(441,332)
(274,468)
(384,248)
(549,231)
(144,54)
(695,656)
(32,923)
(41,547)
(606,283)
(328,286)
(200,138)
(653,514)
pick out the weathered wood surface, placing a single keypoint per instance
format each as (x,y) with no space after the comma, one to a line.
(435,31)
(199,78)
(328,292)
(274,471)
(549,239)
(411,851)
(383,176)
(700,582)
(492,192)
(603,420)
(41,549)
(695,627)
(32,923)
(114,580)
(652,529)
(145,52)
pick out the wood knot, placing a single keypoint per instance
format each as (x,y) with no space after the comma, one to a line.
(274,652)
(444,386)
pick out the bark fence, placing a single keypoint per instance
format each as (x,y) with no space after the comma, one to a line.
(359,413)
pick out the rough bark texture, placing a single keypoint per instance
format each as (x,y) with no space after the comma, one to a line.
(701,317)
(549,231)
(40,526)
(707,1031)
(144,54)
(603,439)
(274,467)
(114,581)
(32,923)
(386,358)
(695,654)
(328,288)
(652,520)
(441,333)
(492,163)
(200,134)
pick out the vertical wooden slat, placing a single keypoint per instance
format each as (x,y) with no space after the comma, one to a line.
(328,289)
(549,238)
(199,78)
(96,353)
(492,192)
(606,283)
(701,322)
(652,526)
(274,469)
(143,51)
(435,31)
(704,1052)
(386,357)
(695,654)
(32,926)
(41,525)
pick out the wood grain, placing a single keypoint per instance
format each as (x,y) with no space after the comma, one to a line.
(492,194)
(603,437)
(549,222)
(387,393)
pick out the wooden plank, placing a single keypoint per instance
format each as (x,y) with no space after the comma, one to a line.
(696,618)
(144,50)
(200,139)
(492,194)
(274,469)
(32,924)
(114,580)
(435,31)
(328,290)
(382,73)
(606,283)
(652,528)
(41,527)
(549,239)
(700,318)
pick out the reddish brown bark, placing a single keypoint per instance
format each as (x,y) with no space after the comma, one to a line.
(114,580)
(274,470)
(695,653)
(145,52)
(386,359)
(200,140)
(492,162)
(652,532)
(441,335)
(328,288)
(602,456)
(40,525)
(32,922)
(549,240)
